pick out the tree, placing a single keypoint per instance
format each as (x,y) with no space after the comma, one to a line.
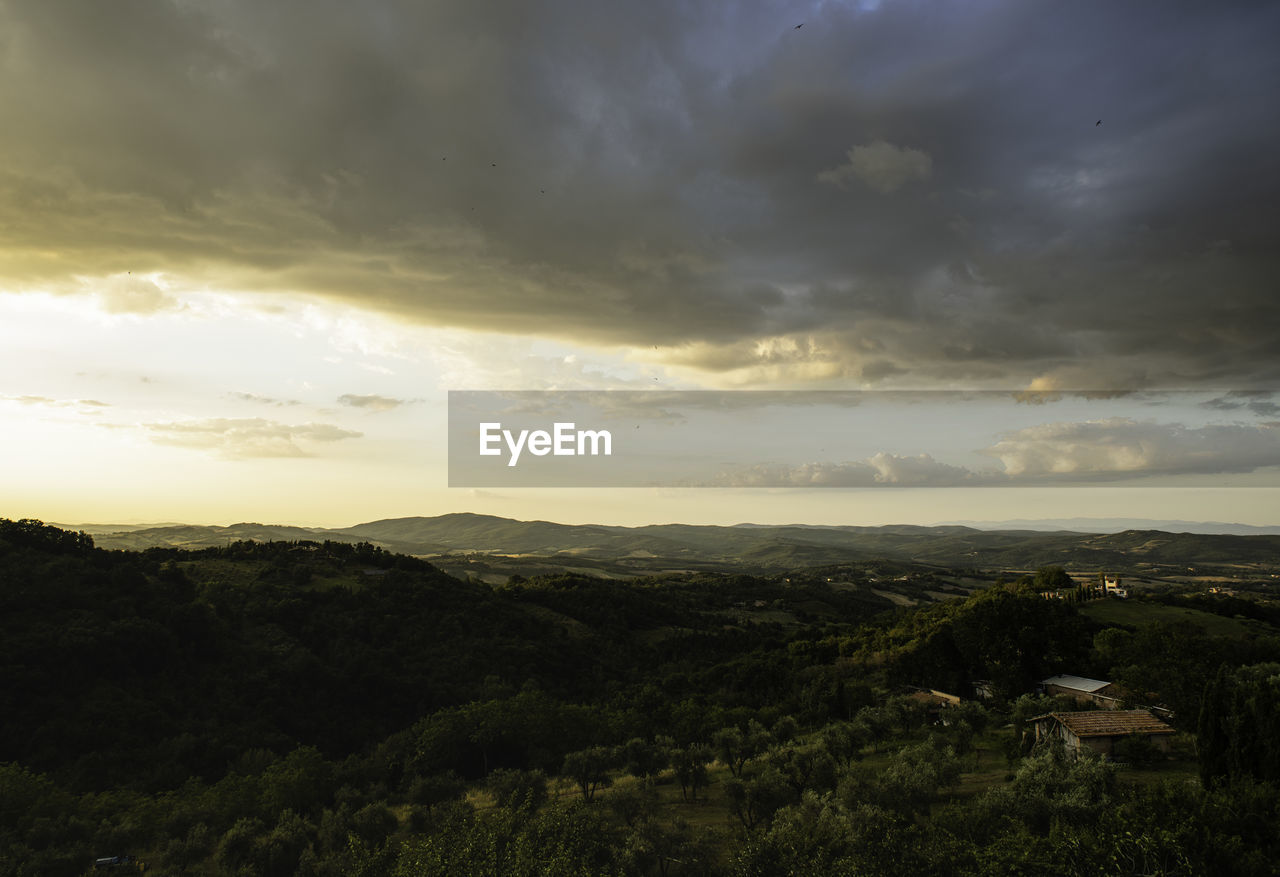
(557,841)
(236,848)
(642,758)
(844,740)
(517,788)
(1172,663)
(1112,647)
(1052,787)
(302,781)
(805,766)
(1014,636)
(735,748)
(757,796)
(1137,750)
(690,763)
(1052,578)
(821,837)
(652,848)
(914,777)
(632,800)
(730,749)
(435,789)
(589,768)
(276,854)
(1239,726)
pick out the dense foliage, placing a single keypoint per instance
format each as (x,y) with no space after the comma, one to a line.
(330,708)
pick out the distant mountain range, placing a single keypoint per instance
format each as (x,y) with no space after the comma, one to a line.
(199,536)
(95,529)
(749,547)
(1116,525)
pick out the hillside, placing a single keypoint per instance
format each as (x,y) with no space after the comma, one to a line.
(326,708)
(625,551)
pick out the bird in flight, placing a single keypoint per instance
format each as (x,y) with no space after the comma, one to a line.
(798,26)
(1097,123)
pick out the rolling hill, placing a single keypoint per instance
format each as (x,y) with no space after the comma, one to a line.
(754,547)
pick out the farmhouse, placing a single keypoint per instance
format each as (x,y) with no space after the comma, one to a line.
(1111,587)
(1100,730)
(1085,690)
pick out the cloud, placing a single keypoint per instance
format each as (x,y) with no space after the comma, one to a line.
(629,176)
(1123,447)
(881,166)
(371,402)
(57,403)
(880,470)
(622,408)
(919,470)
(129,294)
(264,400)
(238,438)
(1257,402)
(1115,449)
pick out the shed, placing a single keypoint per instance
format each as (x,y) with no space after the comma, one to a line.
(1094,691)
(1100,730)
(934,702)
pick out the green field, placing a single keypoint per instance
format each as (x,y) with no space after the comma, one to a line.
(1134,613)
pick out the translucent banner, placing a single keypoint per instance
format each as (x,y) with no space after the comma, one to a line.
(862,439)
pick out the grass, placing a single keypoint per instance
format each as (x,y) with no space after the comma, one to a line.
(1136,614)
(1177,769)
(711,808)
(1180,765)
(989,765)
(216,570)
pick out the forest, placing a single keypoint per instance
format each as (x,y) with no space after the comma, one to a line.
(331,708)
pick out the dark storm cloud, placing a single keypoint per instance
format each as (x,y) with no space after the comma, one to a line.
(1258,402)
(917,193)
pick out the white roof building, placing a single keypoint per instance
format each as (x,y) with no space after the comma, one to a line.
(1076,683)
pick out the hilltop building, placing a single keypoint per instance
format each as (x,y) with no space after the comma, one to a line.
(1111,587)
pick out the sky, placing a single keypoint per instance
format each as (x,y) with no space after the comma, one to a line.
(247,249)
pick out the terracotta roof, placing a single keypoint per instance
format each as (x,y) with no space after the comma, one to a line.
(1110,723)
